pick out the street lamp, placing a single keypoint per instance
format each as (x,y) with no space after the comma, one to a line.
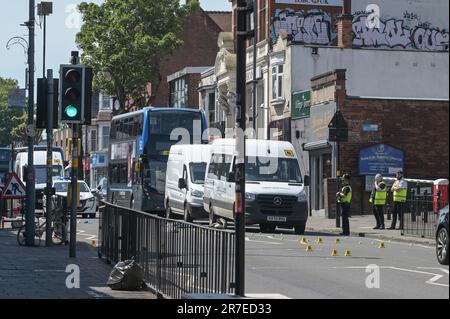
(20,41)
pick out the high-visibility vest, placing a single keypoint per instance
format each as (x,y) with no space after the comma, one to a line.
(400,196)
(347,199)
(380,195)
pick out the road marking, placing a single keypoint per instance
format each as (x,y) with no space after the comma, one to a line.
(431,281)
(261,241)
(434,268)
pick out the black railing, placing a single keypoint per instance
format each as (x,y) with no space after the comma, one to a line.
(420,214)
(177,257)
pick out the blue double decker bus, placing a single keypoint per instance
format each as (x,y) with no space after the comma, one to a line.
(139,149)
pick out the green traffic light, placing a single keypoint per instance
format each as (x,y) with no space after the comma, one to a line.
(71,111)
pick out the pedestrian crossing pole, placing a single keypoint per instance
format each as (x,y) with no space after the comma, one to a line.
(48,190)
(74,193)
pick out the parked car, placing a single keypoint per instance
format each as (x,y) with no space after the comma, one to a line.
(185,179)
(442,240)
(275,192)
(88,206)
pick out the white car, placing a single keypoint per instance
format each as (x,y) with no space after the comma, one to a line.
(88,206)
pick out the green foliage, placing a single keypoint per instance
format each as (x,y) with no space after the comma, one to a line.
(10,119)
(126,41)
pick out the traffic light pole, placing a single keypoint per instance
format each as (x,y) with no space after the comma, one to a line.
(73,197)
(30,178)
(48,189)
(242,35)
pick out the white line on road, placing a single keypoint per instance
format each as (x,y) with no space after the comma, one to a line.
(431,281)
(261,241)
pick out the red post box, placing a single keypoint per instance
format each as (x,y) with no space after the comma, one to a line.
(440,185)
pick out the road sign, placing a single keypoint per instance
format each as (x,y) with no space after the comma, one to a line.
(17,98)
(14,188)
(338,128)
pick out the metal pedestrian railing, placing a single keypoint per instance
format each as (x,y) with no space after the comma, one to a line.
(421,214)
(177,257)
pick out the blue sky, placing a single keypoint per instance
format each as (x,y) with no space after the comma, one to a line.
(61,30)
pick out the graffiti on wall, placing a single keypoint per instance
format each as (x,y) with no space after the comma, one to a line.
(408,32)
(306,27)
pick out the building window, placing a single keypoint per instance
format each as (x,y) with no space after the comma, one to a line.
(93,140)
(179,93)
(262,14)
(211,107)
(277,82)
(105,138)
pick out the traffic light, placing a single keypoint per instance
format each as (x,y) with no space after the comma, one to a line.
(75,94)
(41,109)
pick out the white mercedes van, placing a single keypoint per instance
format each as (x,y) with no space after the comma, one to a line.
(275,192)
(185,177)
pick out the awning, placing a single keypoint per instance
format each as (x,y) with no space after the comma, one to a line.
(316,145)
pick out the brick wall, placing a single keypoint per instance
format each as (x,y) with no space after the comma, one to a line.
(193,81)
(199,33)
(418,127)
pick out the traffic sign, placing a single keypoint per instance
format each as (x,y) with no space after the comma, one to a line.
(14,188)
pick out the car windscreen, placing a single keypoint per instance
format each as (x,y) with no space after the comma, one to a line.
(197,171)
(61,187)
(272,169)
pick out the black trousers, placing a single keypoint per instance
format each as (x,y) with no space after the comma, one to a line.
(398,212)
(379,215)
(345,213)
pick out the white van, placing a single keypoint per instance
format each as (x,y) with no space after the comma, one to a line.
(40,166)
(185,177)
(275,192)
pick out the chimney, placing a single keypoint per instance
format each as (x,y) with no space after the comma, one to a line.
(345,30)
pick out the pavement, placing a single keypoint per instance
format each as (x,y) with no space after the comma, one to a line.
(41,272)
(362,226)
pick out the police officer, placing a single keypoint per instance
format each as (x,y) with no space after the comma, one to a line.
(378,199)
(344,200)
(400,190)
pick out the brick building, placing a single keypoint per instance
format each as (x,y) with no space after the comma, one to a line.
(418,127)
(180,74)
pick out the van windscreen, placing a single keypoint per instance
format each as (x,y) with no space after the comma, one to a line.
(198,171)
(272,169)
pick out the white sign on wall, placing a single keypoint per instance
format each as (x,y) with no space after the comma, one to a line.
(330,3)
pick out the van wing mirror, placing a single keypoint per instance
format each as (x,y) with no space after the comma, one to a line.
(182,183)
(306,180)
(231,177)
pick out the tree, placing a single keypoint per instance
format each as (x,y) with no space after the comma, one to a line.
(126,41)
(10,119)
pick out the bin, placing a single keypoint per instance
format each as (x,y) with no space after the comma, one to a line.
(440,185)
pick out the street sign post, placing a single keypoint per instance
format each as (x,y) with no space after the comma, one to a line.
(17,98)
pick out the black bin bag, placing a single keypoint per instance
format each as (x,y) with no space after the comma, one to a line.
(126,275)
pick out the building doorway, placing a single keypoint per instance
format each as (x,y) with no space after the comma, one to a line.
(321,169)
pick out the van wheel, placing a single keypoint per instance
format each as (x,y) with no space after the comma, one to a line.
(267,228)
(169,213)
(300,229)
(212,216)
(187,216)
